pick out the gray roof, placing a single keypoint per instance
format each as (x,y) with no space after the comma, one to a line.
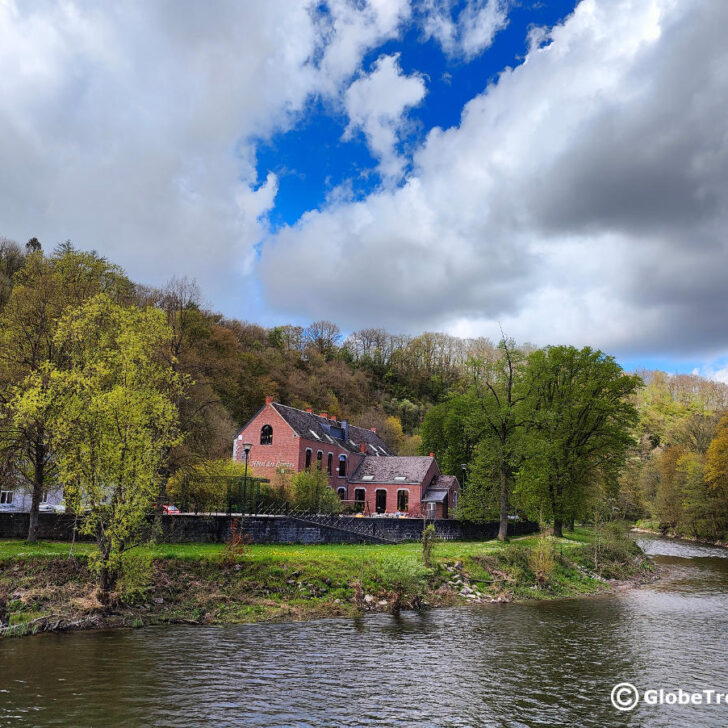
(327,431)
(434,495)
(439,488)
(384,470)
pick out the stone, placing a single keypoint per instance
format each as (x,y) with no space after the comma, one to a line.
(368,598)
(465,591)
(382,603)
(158,600)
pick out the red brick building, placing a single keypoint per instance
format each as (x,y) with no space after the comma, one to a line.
(359,465)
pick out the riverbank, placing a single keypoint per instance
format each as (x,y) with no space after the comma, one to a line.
(653,527)
(46,587)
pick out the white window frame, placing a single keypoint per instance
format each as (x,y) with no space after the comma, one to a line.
(403,490)
(308,456)
(7,497)
(345,460)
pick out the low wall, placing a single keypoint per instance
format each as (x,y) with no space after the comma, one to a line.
(275,529)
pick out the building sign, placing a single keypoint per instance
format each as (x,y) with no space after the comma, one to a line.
(270,464)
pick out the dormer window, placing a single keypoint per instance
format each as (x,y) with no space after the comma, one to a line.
(266,435)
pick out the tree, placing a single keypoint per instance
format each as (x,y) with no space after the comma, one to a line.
(112,419)
(498,416)
(324,337)
(44,288)
(579,417)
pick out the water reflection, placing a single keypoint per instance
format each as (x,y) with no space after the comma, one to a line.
(521,665)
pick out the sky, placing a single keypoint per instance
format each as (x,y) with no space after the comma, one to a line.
(556,169)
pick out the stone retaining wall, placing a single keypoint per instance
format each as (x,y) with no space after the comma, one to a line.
(276,529)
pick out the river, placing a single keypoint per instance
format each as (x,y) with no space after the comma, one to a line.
(540,664)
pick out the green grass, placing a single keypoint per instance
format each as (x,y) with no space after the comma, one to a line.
(267,553)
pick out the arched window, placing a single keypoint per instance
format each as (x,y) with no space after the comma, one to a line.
(360,496)
(381,501)
(342,466)
(342,493)
(266,435)
(319,459)
(308,460)
(330,464)
(403,501)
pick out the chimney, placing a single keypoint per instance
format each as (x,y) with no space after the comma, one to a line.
(268,401)
(432,454)
(309,410)
(333,418)
(363,447)
(345,428)
(374,429)
(325,415)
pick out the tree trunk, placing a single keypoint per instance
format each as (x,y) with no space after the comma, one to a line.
(558,527)
(503,528)
(37,495)
(572,524)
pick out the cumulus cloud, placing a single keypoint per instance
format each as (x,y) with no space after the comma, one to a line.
(130,127)
(582,198)
(376,103)
(468,32)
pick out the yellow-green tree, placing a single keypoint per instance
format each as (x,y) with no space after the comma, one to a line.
(112,419)
(43,289)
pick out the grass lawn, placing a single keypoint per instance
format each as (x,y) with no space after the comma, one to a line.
(269,553)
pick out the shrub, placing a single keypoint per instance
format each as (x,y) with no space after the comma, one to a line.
(135,576)
(235,547)
(541,560)
(311,491)
(428,539)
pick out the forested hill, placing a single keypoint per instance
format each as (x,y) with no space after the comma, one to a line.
(405,386)
(372,377)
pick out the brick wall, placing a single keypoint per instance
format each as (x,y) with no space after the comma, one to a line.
(288,450)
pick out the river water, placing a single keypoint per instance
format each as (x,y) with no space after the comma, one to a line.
(540,664)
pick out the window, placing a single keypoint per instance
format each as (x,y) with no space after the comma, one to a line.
(367,477)
(308,460)
(342,493)
(455,499)
(266,435)
(381,501)
(402,500)
(400,478)
(342,466)
(319,459)
(330,464)
(44,497)
(360,497)
(6,497)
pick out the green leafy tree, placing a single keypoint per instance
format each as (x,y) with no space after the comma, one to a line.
(580,415)
(43,290)
(112,420)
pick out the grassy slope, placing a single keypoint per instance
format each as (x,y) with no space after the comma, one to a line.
(186,582)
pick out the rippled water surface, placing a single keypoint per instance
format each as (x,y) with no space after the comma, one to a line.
(543,664)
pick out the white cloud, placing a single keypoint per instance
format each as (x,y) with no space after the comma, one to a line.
(376,104)
(582,198)
(471,32)
(129,127)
